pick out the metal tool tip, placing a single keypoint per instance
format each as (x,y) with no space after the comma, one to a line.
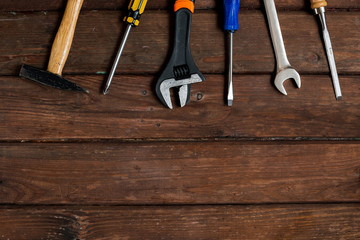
(106,91)
(230,102)
(80,89)
(339,98)
(281,89)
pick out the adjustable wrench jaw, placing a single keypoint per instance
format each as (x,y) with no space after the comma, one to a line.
(183,89)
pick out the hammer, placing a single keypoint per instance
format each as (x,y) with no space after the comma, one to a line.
(59,53)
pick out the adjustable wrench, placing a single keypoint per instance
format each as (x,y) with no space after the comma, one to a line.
(181,70)
(284,69)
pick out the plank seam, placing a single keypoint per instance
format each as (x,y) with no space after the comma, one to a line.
(14,205)
(124,9)
(179,140)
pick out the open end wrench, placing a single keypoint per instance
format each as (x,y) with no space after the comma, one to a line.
(284,69)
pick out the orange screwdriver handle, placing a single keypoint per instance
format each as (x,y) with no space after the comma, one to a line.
(136,9)
(188,4)
(318,4)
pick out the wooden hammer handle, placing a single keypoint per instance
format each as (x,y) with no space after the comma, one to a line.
(64,37)
(318,3)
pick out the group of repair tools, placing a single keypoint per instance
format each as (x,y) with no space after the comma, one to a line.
(180,71)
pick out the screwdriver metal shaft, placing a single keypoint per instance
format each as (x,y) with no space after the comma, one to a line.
(230,96)
(319,8)
(117,59)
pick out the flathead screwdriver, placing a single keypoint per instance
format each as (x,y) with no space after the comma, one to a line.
(231,24)
(136,8)
(319,8)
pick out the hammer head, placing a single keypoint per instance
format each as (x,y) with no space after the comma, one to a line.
(49,79)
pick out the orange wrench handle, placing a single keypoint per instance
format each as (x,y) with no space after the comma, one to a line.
(188,4)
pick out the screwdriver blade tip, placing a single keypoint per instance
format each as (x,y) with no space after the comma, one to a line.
(230,102)
(339,98)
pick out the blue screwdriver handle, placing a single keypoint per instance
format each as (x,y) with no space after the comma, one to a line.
(231,8)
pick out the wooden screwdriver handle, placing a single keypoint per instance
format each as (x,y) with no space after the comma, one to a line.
(318,4)
(64,37)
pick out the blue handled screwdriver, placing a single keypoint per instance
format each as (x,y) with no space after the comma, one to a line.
(231,8)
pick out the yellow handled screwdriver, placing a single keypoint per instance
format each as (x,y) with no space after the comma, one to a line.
(319,7)
(136,8)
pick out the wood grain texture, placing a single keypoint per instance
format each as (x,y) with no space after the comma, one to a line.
(273,222)
(179,173)
(123,166)
(38,5)
(30,35)
(132,110)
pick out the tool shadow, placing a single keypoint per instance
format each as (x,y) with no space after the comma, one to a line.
(219,5)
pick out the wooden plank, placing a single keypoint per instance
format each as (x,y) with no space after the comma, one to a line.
(185,222)
(132,110)
(38,5)
(179,173)
(29,37)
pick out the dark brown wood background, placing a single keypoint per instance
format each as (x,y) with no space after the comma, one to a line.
(122,166)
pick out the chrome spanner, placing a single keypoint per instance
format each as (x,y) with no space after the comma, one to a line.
(284,69)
